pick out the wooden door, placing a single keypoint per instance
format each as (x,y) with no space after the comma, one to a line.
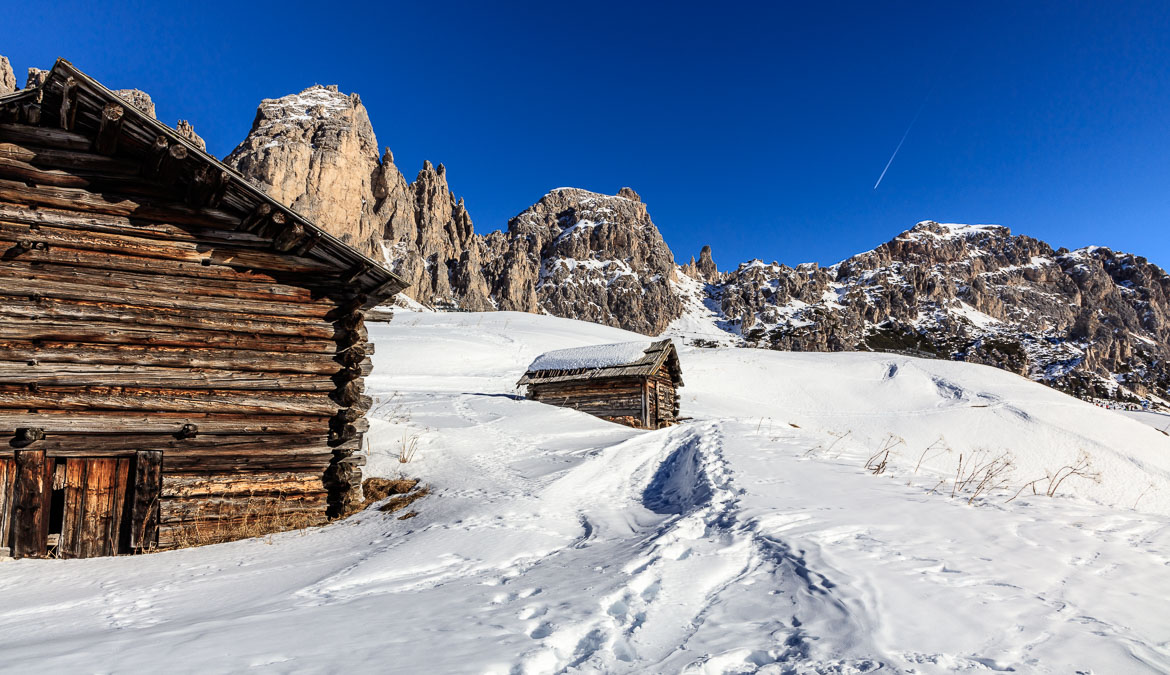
(92,506)
(30,504)
(93,520)
(7,482)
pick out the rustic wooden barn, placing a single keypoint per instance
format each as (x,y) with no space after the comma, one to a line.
(178,352)
(633,383)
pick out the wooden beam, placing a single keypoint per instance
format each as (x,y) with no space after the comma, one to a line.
(256,218)
(111,129)
(7,482)
(50,354)
(86,422)
(30,113)
(84,374)
(44,136)
(155,155)
(172,163)
(162,399)
(289,238)
(207,189)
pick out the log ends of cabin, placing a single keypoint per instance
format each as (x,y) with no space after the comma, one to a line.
(343,478)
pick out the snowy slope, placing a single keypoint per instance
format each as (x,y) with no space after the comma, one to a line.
(751,539)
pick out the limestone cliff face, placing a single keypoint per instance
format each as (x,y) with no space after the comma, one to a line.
(7,77)
(574,253)
(316,152)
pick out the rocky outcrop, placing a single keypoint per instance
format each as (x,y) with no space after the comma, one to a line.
(574,253)
(135,97)
(430,247)
(317,152)
(184,128)
(7,77)
(35,78)
(703,269)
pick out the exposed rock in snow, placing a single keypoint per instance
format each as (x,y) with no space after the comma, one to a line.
(601,259)
(704,269)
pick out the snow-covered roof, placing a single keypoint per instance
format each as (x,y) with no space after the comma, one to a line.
(593,356)
(622,359)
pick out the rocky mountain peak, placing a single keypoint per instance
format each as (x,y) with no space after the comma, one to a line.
(35,78)
(703,269)
(317,152)
(601,259)
(628,193)
(184,127)
(7,77)
(135,97)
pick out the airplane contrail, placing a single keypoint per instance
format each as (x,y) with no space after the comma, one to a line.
(908,128)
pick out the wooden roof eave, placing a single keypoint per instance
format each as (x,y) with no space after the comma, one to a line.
(369,276)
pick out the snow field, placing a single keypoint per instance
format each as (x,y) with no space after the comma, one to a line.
(751,539)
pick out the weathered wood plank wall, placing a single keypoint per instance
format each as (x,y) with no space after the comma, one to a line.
(171,342)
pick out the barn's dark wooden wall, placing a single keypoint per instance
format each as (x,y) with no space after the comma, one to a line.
(647,402)
(176,350)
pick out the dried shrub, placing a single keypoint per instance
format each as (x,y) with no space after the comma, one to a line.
(1081,467)
(399,502)
(407,447)
(880,460)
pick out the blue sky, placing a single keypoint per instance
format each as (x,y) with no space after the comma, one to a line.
(757,129)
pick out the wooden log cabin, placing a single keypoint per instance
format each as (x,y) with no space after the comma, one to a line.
(178,351)
(632,383)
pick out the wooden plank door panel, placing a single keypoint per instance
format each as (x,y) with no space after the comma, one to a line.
(7,482)
(93,523)
(32,495)
(144,507)
(73,513)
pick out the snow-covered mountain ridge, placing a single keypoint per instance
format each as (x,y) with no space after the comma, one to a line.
(1091,321)
(750,540)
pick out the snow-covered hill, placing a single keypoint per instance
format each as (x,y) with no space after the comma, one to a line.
(750,539)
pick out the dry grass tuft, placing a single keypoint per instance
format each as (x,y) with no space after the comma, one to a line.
(254,523)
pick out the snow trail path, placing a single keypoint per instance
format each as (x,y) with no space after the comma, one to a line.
(750,539)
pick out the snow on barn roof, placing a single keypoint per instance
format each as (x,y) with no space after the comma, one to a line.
(622,359)
(593,356)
